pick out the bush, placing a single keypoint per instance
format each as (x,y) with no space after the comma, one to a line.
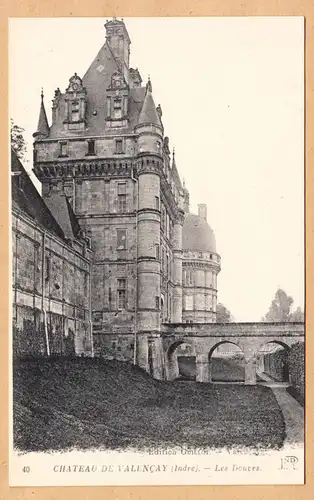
(275,365)
(296,370)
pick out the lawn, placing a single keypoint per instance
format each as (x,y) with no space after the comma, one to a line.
(92,403)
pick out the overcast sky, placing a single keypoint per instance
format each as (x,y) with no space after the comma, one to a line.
(231,91)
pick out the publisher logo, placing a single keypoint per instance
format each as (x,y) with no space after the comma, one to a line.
(289,463)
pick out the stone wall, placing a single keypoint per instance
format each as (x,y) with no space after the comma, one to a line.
(51,291)
(78,148)
(114,346)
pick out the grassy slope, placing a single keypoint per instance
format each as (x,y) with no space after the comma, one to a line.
(86,403)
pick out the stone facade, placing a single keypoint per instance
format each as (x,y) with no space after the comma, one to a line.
(50,277)
(106,154)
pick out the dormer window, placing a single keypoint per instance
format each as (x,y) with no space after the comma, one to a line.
(117,108)
(75,110)
(75,104)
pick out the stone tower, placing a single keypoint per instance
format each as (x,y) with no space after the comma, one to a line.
(105,151)
(201,265)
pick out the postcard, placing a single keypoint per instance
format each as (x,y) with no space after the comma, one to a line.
(157,251)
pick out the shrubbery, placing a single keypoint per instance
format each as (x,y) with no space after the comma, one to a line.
(275,364)
(296,370)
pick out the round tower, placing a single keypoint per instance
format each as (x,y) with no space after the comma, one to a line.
(177,268)
(201,265)
(149,165)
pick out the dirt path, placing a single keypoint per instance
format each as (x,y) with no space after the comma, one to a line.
(293,412)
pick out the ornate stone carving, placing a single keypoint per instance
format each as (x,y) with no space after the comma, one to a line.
(93,168)
(75,84)
(117,81)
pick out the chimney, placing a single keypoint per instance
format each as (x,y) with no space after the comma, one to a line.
(202,211)
(118,39)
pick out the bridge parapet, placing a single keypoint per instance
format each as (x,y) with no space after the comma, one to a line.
(258,329)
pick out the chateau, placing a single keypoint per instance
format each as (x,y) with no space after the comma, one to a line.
(110,252)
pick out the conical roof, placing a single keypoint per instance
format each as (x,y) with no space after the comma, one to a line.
(174,170)
(149,113)
(43,126)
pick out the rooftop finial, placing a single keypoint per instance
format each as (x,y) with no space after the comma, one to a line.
(159,111)
(42,94)
(149,85)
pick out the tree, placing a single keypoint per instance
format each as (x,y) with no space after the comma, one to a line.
(223,315)
(18,143)
(297,315)
(280,309)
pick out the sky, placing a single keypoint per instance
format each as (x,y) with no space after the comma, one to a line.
(231,92)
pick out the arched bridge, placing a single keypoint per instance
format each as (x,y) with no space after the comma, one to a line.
(204,338)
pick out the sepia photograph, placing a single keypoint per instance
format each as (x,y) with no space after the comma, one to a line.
(157,251)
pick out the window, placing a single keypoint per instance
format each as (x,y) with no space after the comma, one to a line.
(47,268)
(162,307)
(91,147)
(63,148)
(108,107)
(85,284)
(122,197)
(158,144)
(188,303)
(189,277)
(119,146)
(75,108)
(117,108)
(121,239)
(121,293)
(156,202)
(157,251)
(157,302)
(163,218)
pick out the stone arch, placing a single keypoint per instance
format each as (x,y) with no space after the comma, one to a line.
(273,364)
(227,368)
(172,367)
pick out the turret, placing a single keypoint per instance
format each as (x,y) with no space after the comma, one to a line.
(186,199)
(149,168)
(149,127)
(43,126)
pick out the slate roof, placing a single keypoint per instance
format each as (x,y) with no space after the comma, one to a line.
(197,235)
(96,81)
(43,126)
(60,207)
(56,215)
(175,173)
(148,112)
